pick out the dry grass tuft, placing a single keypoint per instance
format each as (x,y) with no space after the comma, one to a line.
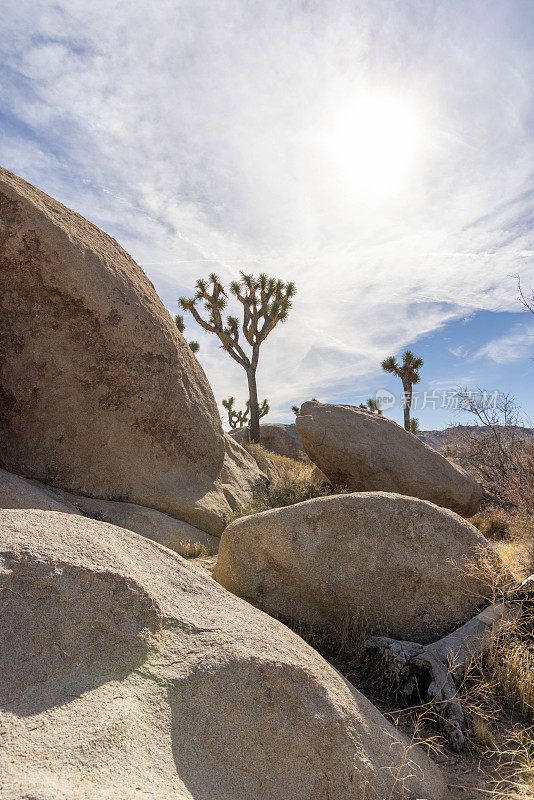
(291,482)
(346,641)
(195,550)
(494,523)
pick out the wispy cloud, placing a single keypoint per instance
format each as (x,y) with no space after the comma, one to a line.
(376,153)
(516,344)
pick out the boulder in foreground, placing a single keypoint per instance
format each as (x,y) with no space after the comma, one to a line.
(100,394)
(366,453)
(125,673)
(402,567)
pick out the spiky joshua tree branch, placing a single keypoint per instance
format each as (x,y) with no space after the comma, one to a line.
(265,302)
(180,324)
(239,418)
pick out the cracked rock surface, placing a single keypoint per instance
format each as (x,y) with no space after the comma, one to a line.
(125,673)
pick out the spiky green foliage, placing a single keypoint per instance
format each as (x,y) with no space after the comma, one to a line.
(265,302)
(295,410)
(408,372)
(373,407)
(180,324)
(414,426)
(240,418)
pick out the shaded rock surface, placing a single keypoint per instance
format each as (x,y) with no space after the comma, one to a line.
(100,394)
(173,533)
(401,566)
(366,452)
(126,673)
(17,492)
(277,438)
(241,479)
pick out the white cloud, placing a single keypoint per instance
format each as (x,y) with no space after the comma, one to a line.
(459,352)
(516,344)
(233,134)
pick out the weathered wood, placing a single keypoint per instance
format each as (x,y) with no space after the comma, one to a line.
(435,670)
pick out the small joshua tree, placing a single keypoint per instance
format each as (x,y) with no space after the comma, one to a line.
(295,410)
(414,426)
(265,301)
(180,324)
(240,418)
(371,406)
(408,372)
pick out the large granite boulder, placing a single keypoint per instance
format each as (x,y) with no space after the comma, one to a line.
(100,395)
(126,673)
(365,452)
(401,567)
(177,535)
(276,437)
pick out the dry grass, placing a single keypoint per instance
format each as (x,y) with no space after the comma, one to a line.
(291,482)
(346,641)
(494,523)
(195,550)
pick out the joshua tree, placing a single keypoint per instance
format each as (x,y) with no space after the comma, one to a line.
(414,426)
(180,324)
(371,406)
(265,302)
(240,418)
(408,372)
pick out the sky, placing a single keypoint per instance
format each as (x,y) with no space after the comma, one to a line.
(378,153)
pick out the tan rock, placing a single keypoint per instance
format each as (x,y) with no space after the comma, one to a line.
(402,566)
(173,533)
(125,673)
(276,437)
(367,452)
(17,492)
(241,479)
(100,394)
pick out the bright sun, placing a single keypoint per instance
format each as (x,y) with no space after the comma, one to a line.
(371,142)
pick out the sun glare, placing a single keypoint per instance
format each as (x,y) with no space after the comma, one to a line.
(370,143)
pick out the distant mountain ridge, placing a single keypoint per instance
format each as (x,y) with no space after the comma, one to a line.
(452,437)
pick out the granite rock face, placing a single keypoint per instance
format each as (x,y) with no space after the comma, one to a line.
(403,567)
(125,672)
(368,453)
(100,395)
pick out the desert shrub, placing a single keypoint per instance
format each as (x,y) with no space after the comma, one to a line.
(498,455)
(494,523)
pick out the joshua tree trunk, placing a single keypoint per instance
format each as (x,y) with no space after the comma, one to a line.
(407,404)
(254,408)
